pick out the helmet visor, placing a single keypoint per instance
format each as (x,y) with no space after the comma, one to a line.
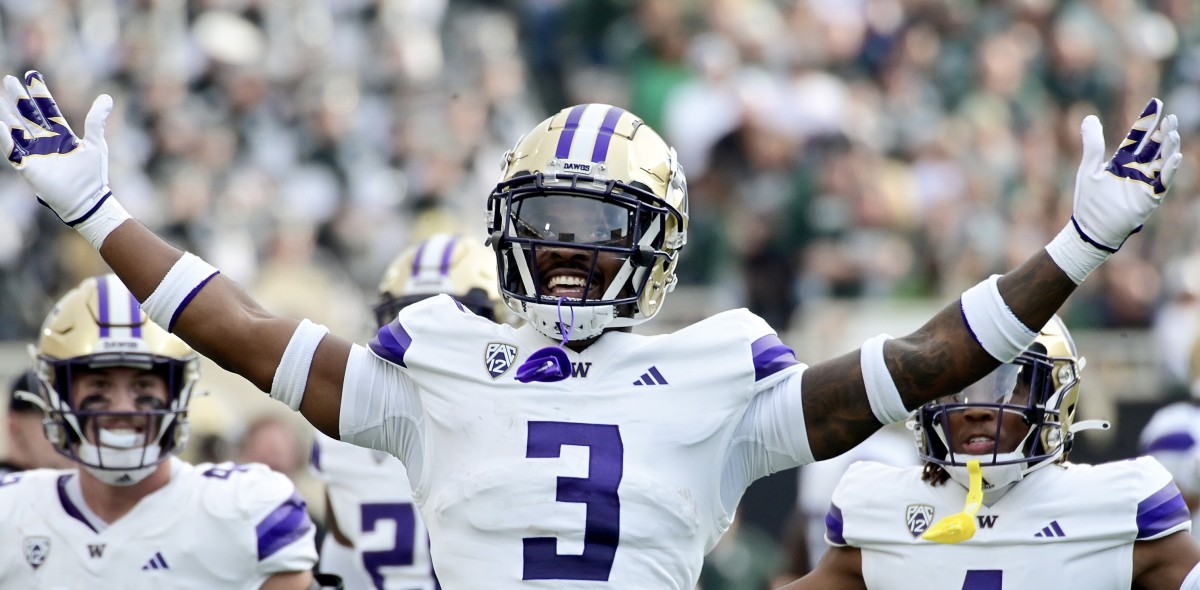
(573,219)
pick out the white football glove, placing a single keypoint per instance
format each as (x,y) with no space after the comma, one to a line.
(69,175)
(1114,198)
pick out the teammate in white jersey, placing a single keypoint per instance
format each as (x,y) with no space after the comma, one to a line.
(376,539)
(1173,437)
(115,390)
(1033,519)
(569,451)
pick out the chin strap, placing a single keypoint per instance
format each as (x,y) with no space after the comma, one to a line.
(549,364)
(957,528)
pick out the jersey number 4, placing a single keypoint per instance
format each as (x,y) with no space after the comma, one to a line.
(597,491)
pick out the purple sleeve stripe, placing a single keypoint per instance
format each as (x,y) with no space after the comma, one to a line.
(1176,441)
(391,342)
(600,151)
(1163,510)
(568,133)
(771,356)
(833,525)
(186,300)
(282,526)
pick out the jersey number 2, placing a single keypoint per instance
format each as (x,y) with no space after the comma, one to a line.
(983,580)
(401,553)
(597,491)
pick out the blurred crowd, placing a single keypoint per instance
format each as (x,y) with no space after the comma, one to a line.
(867,148)
(850,149)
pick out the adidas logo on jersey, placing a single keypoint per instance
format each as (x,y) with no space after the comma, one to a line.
(1052,530)
(651,377)
(156,563)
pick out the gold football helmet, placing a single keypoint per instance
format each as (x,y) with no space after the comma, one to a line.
(590,214)
(1049,371)
(442,263)
(99,325)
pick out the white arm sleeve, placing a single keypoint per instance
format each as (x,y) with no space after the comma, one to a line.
(381,409)
(770,437)
(1192,581)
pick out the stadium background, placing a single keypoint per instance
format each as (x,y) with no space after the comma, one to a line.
(853,166)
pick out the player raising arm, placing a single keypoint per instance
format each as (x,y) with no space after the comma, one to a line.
(660,435)
(1111,526)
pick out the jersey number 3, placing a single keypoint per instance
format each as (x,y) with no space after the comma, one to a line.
(597,491)
(983,580)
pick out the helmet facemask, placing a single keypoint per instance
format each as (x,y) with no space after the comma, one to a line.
(588,219)
(118,447)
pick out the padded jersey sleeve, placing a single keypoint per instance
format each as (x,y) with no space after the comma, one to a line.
(771,435)
(270,517)
(1161,509)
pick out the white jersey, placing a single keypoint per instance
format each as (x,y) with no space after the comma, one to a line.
(211,526)
(626,472)
(1069,526)
(371,499)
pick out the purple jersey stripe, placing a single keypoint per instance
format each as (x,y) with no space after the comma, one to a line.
(72,510)
(1176,441)
(568,132)
(135,311)
(1163,510)
(282,526)
(316,456)
(102,294)
(833,525)
(391,342)
(445,269)
(600,152)
(771,356)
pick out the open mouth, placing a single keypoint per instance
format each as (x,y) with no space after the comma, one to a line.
(570,285)
(121,438)
(979,444)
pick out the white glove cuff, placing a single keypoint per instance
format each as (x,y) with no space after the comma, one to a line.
(187,276)
(881,389)
(291,376)
(992,323)
(96,224)
(1074,255)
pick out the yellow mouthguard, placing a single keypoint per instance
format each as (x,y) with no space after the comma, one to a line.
(957,528)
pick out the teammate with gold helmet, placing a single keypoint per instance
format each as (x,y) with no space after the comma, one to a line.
(442,263)
(95,339)
(115,388)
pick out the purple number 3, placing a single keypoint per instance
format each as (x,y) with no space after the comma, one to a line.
(598,491)
(983,580)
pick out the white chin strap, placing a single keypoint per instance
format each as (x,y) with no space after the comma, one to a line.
(124,464)
(589,322)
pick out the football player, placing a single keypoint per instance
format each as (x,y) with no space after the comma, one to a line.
(366,488)
(1036,520)
(115,388)
(1173,437)
(27,444)
(569,450)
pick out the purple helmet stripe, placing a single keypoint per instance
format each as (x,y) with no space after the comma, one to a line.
(1176,441)
(391,342)
(282,527)
(445,268)
(834,525)
(416,267)
(568,133)
(69,506)
(771,356)
(1161,512)
(135,312)
(102,294)
(600,152)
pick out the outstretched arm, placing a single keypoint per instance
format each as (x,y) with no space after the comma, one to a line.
(210,312)
(849,397)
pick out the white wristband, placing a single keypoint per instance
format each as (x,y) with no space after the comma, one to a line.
(992,323)
(291,376)
(1074,255)
(101,220)
(881,389)
(177,289)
